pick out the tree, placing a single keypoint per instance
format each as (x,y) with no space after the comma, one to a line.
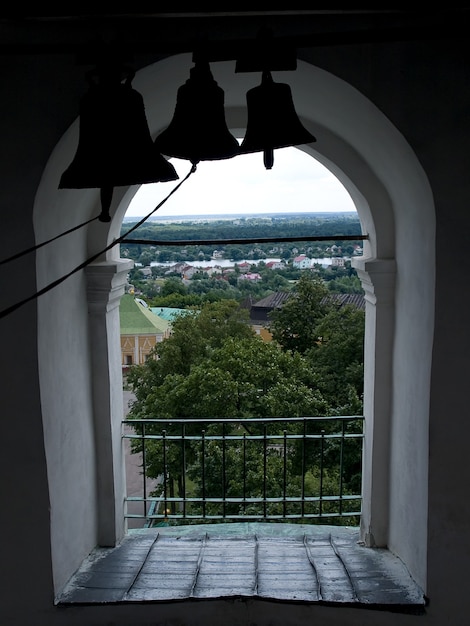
(173,285)
(214,366)
(294,325)
(338,357)
(345,284)
(338,360)
(234,253)
(146,257)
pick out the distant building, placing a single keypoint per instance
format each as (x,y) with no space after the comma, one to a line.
(275,265)
(244,267)
(343,299)
(252,276)
(167,313)
(302,262)
(177,268)
(260,311)
(140,329)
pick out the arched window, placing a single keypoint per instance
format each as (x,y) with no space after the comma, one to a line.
(80,372)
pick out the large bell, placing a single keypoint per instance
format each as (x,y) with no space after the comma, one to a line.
(272,120)
(115,147)
(198,130)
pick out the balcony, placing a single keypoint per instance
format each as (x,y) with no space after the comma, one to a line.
(252,508)
(231,470)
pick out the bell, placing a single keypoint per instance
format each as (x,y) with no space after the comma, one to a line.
(115,147)
(198,130)
(272,121)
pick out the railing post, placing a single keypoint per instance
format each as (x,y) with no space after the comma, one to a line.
(183,461)
(244,472)
(144,466)
(341,461)
(304,459)
(322,454)
(265,461)
(224,509)
(285,473)
(165,495)
(203,472)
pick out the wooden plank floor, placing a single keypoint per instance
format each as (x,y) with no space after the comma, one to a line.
(290,562)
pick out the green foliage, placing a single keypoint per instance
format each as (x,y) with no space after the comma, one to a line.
(171,286)
(345,284)
(243,467)
(294,326)
(338,358)
(214,366)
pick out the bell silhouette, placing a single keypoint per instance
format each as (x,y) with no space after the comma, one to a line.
(198,130)
(115,147)
(272,121)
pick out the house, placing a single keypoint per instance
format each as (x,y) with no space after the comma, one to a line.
(178,268)
(189,271)
(146,271)
(260,310)
(211,270)
(275,265)
(386,93)
(141,330)
(302,262)
(253,277)
(243,267)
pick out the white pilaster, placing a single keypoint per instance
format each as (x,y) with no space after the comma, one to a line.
(378,281)
(105,287)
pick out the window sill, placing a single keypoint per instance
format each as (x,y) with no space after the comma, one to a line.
(283,562)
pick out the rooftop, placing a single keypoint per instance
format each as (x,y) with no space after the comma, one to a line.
(136,319)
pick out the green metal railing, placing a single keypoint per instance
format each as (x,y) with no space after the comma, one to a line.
(276,469)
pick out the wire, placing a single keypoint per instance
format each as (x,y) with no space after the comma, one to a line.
(208,242)
(40,245)
(117,241)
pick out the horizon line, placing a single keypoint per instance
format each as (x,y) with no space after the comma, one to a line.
(227,215)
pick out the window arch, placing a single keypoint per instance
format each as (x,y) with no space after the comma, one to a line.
(393,200)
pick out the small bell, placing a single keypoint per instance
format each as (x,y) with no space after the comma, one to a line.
(115,147)
(272,120)
(198,130)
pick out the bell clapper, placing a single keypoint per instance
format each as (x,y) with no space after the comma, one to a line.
(106,194)
(268,158)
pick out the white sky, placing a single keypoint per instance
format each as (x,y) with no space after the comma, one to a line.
(297,182)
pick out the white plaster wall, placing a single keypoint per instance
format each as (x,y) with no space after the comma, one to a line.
(64,363)
(412,367)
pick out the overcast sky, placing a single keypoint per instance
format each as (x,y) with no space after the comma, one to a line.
(297,182)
